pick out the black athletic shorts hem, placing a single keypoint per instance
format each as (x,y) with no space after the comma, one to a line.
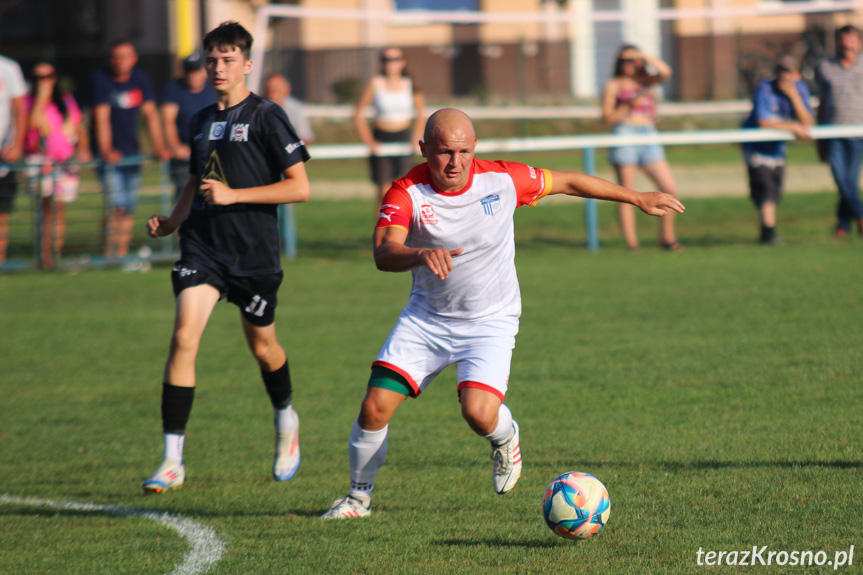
(256,296)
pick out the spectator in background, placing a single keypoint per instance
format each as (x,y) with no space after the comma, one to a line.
(781,104)
(181,99)
(120,93)
(399,116)
(278,89)
(628,106)
(839,83)
(12,123)
(55,131)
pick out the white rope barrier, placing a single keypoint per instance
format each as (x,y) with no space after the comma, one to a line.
(592,141)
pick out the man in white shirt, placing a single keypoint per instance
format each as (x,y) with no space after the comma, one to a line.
(450,222)
(277,89)
(12,132)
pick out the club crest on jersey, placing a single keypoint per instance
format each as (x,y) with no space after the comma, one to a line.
(240,133)
(427,213)
(491,204)
(217,130)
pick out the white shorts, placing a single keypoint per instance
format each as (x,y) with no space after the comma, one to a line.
(60,183)
(419,348)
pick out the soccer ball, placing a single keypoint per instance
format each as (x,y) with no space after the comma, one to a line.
(576,505)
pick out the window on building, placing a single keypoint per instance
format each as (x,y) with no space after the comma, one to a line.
(440,5)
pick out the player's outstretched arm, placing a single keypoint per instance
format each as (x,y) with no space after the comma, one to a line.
(392,255)
(584,186)
(293,189)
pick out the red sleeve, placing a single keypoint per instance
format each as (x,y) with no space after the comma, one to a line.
(396,209)
(531,183)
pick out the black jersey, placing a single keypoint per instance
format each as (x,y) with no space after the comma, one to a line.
(244,146)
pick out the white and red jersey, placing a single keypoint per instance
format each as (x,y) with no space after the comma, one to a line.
(483,282)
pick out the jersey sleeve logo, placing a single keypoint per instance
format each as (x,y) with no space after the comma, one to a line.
(491,204)
(291,148)
(387,216)
(427,213)
(217,130)
(240,133)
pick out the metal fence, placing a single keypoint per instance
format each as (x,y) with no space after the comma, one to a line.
(48,232)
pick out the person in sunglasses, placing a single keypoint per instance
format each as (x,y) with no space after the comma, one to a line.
(399,116)
(55,134)
(628,106)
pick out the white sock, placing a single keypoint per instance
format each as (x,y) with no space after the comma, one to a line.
(174,446)
(504,429)
(367,451)
(285,419)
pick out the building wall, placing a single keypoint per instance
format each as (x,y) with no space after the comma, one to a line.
(513,62)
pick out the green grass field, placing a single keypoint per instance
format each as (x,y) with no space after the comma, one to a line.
(715,392)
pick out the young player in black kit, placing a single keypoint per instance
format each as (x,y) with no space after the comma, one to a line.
(246,159)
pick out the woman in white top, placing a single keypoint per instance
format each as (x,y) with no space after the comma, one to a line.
(399,116)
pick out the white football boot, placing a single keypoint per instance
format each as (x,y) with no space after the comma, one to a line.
(346,508)
(287,457)
(170,475)
(507,462)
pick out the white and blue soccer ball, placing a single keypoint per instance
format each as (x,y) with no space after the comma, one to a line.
(576,505)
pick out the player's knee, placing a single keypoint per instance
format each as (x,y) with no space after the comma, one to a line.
(374,414)
(185,340)
(263,350)
(481,417)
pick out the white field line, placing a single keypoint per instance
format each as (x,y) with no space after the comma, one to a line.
(207,546)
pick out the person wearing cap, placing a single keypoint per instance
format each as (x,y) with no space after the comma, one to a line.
(780,104)
(181,99)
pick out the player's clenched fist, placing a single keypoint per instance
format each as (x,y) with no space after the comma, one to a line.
(218,194)
(439,261)
(159,226)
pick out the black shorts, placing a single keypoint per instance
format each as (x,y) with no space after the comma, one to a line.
(8,188)
(387,169)
(765,184)
(256,296)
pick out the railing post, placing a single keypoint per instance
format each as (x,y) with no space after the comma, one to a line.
(38,212)
(168,200)
(591,213)
(289,231)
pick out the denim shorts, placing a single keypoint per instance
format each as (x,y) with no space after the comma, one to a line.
(121,183)
(635,155)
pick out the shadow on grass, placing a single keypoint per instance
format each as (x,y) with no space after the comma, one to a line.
(717,464)
(720,464)
(123,511)
(497,542)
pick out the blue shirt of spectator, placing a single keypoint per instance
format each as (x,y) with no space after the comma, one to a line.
(125,99)
(768,103)
(189,104)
